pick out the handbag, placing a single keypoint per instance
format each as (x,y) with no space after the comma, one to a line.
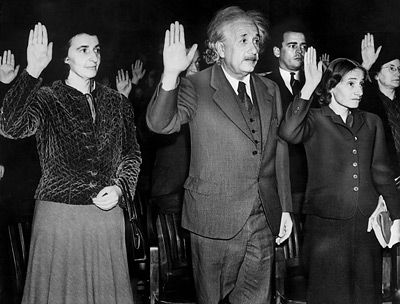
(134,237)
(381,223)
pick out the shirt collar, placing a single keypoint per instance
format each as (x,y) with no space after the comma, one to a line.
(235,83)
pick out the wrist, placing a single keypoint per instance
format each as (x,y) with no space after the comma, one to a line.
(33,71)
(169,80)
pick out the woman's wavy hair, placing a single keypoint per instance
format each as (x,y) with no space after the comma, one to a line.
(225,16)
(332,76)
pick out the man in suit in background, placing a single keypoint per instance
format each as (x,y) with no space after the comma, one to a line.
(289,45)
(237,196)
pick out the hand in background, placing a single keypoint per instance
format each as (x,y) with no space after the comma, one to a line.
(39,51)
(324,58)
(8,71)
(368,53)
(137,71)
(123,83)
(1,171)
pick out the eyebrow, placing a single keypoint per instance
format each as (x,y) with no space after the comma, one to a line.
(86,46)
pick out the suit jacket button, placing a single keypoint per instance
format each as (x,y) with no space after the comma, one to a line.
(255,152)
(355,189)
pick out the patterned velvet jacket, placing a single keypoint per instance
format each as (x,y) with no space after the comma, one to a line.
(78,157)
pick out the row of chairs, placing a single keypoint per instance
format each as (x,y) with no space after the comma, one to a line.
(166,272)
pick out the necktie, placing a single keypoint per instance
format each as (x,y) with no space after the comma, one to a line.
(349,120)
(244,97)
(295,84)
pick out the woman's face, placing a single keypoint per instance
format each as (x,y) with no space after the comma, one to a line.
(348,92)
(84,56)
(389,75)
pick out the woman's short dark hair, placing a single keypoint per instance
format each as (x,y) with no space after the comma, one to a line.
(332,76)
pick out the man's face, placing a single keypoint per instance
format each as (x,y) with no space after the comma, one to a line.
(84,56)
(291,53)
(239,50)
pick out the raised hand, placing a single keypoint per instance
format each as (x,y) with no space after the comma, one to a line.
(39,51)
(368,52)
(312,72)
(8,71)
(137,71)
(324,58)
(175,58)
(123,83)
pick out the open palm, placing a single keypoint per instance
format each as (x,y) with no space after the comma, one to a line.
(8,71)
(123,83)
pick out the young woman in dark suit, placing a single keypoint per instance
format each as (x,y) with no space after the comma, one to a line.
(348,170)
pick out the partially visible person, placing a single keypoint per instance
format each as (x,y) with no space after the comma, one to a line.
(89,158)
(289,42)
(237,200)
(348,170)
(382,93)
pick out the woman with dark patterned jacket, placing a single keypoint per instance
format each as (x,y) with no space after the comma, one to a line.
(89,155)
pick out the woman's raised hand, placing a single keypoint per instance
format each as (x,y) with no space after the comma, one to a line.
(39,51)
(312,72)
(8,70)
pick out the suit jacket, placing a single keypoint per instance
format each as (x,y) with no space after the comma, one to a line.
(227,175)
(297,154)
(348,167)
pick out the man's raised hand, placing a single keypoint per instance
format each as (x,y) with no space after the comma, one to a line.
(175,57)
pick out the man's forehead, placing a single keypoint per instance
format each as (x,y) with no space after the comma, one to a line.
(240,27)
(294,37)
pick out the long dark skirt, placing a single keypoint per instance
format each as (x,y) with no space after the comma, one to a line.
(77,255)
(343,260)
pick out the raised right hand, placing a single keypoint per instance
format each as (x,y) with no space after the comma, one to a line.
(368,53)
(175,58)
(8,70)
(39,52)
(312,72)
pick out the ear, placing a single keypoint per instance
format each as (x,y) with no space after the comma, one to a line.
(66,60)
(276,51)
(220,49)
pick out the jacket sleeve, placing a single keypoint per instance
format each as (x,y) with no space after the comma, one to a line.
(129,166)
(282,162)
(168,110)
(382,175)
(23,110)
(296,127)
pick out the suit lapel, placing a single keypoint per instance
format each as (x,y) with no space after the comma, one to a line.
(264,100)
(225,98)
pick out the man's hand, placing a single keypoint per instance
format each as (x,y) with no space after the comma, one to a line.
(1,171)
(324,58)
(39,51)
(312,73)
(285,228)
(394,233)
(368,53)
(137,71)
(123,83)
(108,197)
(175,58)
(8,71)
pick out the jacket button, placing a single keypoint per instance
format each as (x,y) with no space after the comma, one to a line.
(355,164)
(253,131)
(255,152)
(355,189)
(355,138)
(251,120)
(354,151)
(355,176)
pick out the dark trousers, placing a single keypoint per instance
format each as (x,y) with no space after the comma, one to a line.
(238,268)
(344,261)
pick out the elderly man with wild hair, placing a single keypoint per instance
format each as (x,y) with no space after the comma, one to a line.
(237,196)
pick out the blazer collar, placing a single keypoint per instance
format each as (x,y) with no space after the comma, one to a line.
(358,118)
(224,97)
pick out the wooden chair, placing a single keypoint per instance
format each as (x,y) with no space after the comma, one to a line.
(290,281)
(19,234)
(171,279)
